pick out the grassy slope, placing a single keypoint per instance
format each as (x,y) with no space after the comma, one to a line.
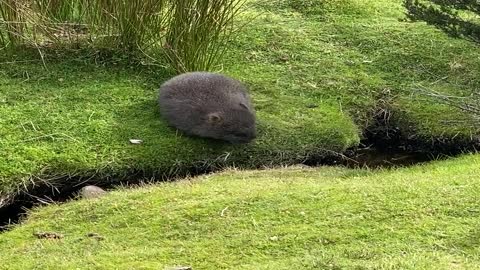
(424,217)
(366,53)
(76,117)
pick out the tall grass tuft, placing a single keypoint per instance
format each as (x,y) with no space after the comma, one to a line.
(126,25)
(188,34)
(12,27)
(198,32)
(58,10)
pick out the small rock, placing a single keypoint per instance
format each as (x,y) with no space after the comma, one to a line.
(90,192)
(182,268)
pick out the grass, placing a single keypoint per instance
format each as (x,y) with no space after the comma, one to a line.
(317,80)
(77,120)
(199,32)
(423,217)
(188,35)
(367,53)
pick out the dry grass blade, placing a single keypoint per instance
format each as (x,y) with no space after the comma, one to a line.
(469,104)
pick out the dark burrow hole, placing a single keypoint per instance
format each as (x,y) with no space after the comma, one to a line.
(383,147)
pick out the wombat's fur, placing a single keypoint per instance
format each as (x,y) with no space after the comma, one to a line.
(208,105)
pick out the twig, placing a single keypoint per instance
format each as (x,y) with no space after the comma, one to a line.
(223,211)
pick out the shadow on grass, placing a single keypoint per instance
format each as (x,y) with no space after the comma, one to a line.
(77,107)
(445,16)
(468,242)
(49,62)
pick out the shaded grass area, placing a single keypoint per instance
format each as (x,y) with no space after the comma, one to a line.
(423,217)
(318,77)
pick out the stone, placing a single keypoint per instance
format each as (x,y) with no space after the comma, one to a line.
(90,192)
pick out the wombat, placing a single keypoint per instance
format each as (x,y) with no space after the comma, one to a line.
(208,105)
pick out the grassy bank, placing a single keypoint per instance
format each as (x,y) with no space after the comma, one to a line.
(318,77)
(422,217)
(369,57)
(77,121)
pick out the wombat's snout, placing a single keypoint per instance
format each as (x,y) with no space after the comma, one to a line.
(241,137)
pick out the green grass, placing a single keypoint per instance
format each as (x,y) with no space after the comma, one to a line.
(423,217)
(365,52)
(77,120)
(188,34)
(75,117)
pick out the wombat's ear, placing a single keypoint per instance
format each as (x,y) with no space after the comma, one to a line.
(214,118)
